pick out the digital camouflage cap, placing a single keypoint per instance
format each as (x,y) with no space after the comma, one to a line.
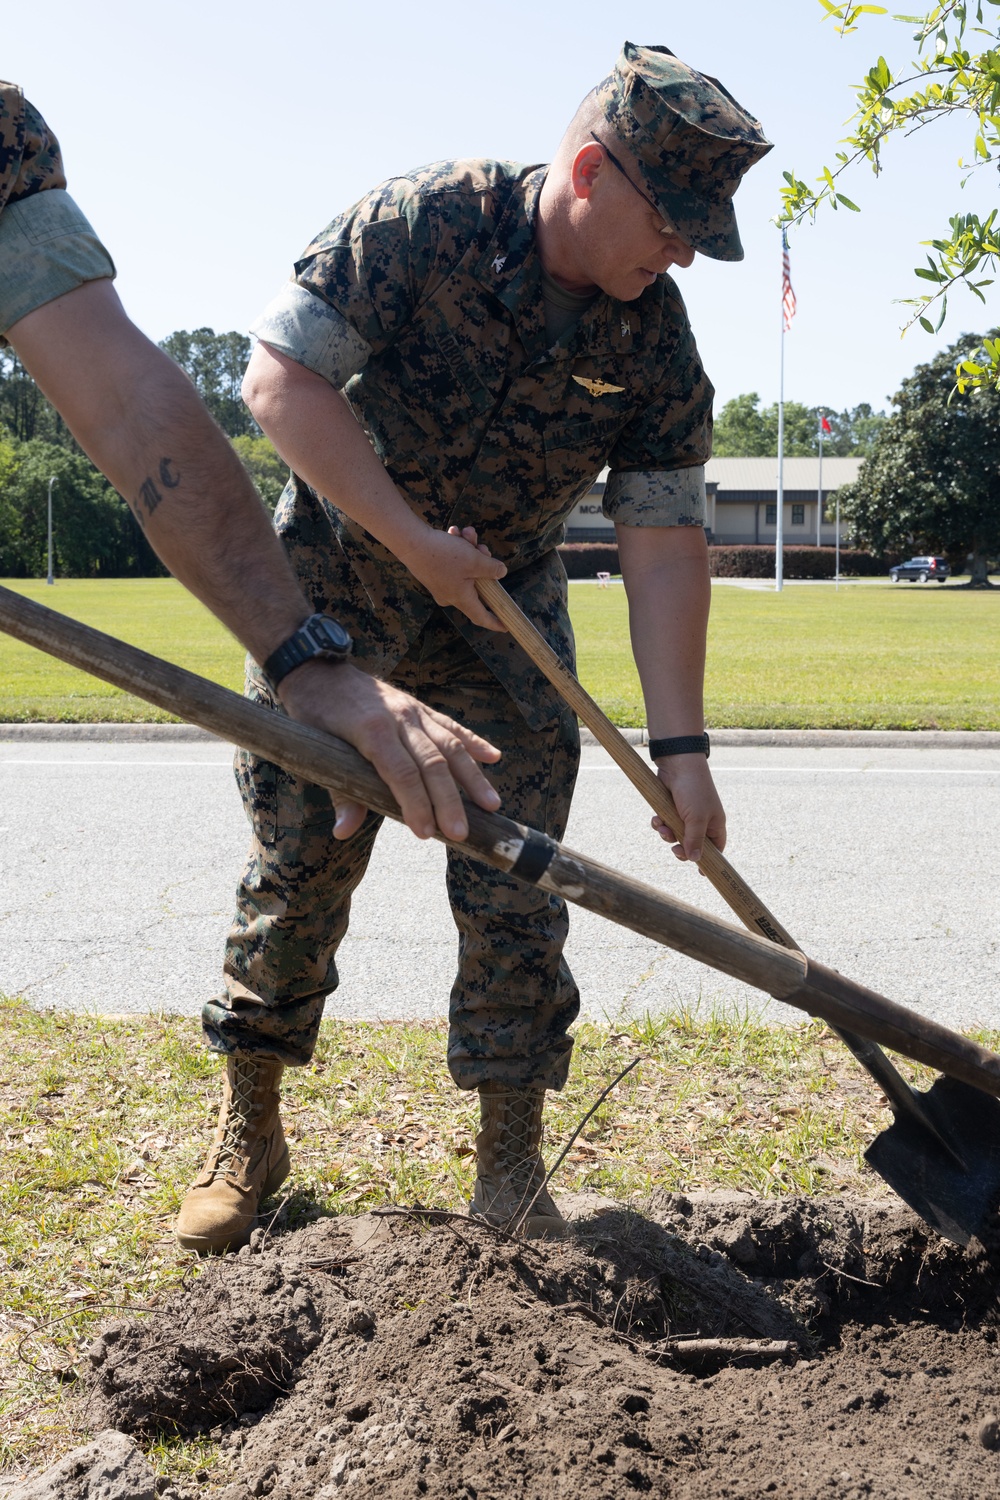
(689,140)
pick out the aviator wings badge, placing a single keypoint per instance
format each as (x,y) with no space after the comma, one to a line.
(597,387)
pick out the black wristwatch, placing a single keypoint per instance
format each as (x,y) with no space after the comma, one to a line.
(320,637)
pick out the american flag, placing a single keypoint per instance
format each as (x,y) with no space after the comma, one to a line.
(787,295)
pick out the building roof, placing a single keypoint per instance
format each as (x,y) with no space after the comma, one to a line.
(762,473)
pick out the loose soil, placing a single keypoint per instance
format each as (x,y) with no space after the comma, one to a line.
(409,1354)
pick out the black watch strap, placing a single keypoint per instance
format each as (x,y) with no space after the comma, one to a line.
(681,744)
(319,638)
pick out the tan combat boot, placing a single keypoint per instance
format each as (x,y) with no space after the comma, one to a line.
(510,1174)
(248,1160)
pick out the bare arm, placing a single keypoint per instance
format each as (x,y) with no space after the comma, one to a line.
(141,421)
(317,434)
(665,570)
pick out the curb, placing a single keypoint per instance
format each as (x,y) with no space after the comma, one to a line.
(834,739)
(806,739)
(109,733)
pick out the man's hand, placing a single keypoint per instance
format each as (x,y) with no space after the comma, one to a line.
(690,783)
(419,754)
(448,564)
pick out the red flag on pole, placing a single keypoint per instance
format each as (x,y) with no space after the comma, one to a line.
(825,425)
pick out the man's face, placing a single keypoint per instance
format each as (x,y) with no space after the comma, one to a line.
(619,237)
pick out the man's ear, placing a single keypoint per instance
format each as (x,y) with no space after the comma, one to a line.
(587,165)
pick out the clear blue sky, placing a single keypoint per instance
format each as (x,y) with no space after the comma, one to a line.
(208,142)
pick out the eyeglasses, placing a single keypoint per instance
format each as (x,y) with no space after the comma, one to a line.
(667,227)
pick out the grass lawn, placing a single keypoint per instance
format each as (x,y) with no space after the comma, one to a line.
(869,656)
(104,1122)
(154,613)
(866,656)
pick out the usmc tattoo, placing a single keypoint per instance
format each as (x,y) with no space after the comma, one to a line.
(149,494)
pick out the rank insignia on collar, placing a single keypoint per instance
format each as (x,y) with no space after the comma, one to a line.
(597,387)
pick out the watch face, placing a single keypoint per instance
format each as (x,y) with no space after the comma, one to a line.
(329,635)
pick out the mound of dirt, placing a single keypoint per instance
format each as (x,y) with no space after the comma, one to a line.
(841,1351)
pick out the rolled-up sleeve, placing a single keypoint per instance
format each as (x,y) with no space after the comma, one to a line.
(309,331)
(657,497)
(658,462)
(47,248)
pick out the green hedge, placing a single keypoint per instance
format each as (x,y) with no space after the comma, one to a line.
(799,562)
(587,559)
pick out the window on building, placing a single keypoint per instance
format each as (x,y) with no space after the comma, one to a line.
(771,516)
(798,515)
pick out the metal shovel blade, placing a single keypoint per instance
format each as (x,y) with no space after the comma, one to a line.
(956,1201)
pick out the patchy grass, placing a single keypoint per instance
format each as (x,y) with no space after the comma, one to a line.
(103,1123)
(869,656)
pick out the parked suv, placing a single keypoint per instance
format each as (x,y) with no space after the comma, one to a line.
(921,570)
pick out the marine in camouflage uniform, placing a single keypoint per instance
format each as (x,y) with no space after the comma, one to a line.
(425,303)
(47,246)
(500,332)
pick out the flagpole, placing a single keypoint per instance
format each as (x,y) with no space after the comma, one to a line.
(779,534)
(819,487)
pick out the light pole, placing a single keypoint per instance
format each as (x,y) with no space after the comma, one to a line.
(52,481)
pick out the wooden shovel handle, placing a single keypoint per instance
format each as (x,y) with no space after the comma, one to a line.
(731,886)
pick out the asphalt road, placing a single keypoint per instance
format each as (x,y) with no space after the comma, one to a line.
(118,863)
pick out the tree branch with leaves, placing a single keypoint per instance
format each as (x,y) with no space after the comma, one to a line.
(956,71)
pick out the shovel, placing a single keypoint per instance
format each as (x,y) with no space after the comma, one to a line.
(783,973)
(942,1153)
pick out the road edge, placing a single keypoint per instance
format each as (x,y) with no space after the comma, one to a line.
(826,739)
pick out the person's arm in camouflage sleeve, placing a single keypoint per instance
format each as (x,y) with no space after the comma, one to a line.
(354,286)
(656,497)
(318,435)
(139,418)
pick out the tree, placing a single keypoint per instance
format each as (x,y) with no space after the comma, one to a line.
(932,483)
(743,430)
(24,411)
(945,79)
(215,363)
(94,535)
(268,472)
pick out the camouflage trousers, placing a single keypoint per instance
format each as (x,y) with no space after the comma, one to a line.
(514,997)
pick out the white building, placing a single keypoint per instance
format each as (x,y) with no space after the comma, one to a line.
(743,501)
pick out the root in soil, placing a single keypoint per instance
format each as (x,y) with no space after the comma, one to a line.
(404,1355)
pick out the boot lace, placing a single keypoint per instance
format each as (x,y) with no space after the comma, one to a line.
(240,1111)
(518,1148)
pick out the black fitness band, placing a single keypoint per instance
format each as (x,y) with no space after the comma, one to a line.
(681,744)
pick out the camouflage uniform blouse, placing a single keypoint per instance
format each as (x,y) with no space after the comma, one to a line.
(424,303)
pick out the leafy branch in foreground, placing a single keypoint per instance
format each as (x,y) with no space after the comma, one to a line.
(945,79)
